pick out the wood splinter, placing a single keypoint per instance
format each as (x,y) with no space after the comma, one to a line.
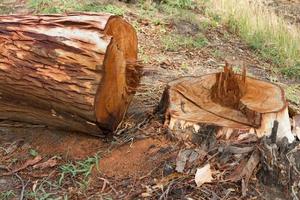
(228,100)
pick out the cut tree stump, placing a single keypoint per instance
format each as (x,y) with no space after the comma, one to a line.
(75,72)
(233,102)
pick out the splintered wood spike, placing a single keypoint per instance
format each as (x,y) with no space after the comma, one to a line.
(229,101)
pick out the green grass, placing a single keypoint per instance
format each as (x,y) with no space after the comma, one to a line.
(7,195)
(62,6)
(188,16)
(33,152)
(182,4)
(292,71)
(174,42)
(75,173)
(5,9)
(44,191)
(78,168)
(292,93)
(263,30)
(167,10)
(218,54)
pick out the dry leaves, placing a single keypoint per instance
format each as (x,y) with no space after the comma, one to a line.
(203,175)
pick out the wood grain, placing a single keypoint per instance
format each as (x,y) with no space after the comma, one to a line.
(226,100)
(69,68)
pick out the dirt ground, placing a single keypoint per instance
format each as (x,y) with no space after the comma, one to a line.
(142,155)
(289,9)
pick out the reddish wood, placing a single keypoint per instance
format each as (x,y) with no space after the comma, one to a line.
(76,72)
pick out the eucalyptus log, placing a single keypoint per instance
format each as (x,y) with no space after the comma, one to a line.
(75,71)
(230,101)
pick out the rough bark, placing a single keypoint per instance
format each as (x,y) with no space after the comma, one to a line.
(76,71)
(228,100)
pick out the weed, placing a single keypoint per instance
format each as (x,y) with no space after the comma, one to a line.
(42,191)
(150,12)
(49,6)
(60,6)
(5,9)
(79,168)
(183,4)
(7,195)
(33,152)
(188,16)
(218,53)
(200,41)
(104,8)
(263,30)
(208,23)
(292,93)
(145,58)
(184,66)
(174,42)
(292,71)
(168,10)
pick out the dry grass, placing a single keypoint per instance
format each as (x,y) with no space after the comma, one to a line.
(263,30)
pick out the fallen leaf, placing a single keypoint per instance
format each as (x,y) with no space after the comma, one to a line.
(203,175)
(49,163)
(25,165)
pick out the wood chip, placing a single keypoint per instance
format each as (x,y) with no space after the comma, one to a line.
(247,170)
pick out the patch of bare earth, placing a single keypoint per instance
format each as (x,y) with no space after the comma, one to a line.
(134,160)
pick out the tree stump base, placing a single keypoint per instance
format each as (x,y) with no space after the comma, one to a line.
(233,102)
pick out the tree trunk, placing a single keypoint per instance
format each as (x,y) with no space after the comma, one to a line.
(76,72)
(228,100)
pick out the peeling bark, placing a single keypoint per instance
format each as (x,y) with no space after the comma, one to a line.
(76,72)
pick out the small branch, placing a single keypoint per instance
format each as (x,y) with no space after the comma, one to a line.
(23,186)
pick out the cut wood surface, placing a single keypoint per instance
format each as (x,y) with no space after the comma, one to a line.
(227,100)
(76,72)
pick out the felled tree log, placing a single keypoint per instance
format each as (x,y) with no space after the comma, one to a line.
(231,101)
(76,72)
